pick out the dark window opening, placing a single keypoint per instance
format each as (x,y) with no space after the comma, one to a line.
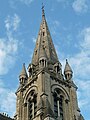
(43,33)
(32,110)
(60,105)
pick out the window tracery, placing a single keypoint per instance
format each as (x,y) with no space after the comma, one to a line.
(32,105)
(58,104)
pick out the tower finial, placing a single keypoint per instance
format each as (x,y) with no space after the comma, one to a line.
(66,61)
(68,71)
(43,13)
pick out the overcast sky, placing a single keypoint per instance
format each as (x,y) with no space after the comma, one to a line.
(69,25)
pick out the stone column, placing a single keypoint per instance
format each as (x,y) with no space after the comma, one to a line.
(58,108)
(43,82)
(27,110)
(33,109)
(66,110)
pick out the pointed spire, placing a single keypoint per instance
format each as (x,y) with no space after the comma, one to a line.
(43,13)
(67,67)
(23,73)
(68,71)
(44,39)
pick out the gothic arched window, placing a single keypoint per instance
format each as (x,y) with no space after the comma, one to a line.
(58,105)
(43,63)
(32,105)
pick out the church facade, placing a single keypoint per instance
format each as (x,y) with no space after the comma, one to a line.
(46,93)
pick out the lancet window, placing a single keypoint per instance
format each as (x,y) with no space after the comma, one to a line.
(32,105)
(58,105)
(43,63)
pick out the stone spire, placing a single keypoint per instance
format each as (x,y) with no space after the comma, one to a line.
(43,13)
(23,73)
(44,39)
(68,71)
(67,67)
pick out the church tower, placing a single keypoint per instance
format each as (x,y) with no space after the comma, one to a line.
(46,93)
